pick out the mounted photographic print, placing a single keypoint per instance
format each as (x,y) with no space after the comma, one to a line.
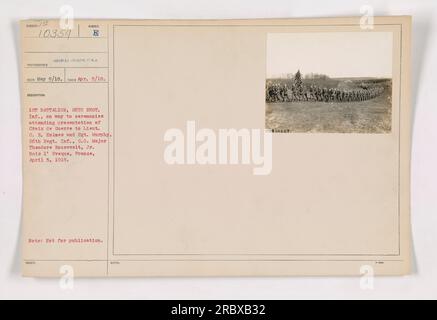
(329,82)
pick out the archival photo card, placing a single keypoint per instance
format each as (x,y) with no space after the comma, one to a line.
(266,147)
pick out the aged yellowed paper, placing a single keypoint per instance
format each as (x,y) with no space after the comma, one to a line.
(216,147)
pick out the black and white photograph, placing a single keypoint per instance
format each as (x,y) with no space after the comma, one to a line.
(329,82)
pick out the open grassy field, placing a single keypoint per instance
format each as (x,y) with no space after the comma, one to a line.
(371,116)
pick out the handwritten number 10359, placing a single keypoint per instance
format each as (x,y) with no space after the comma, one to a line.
(55,33)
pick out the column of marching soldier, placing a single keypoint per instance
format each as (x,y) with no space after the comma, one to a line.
(277,92)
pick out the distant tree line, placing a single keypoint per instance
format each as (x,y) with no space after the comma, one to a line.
(316,76)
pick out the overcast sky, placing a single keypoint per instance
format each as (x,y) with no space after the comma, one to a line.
(336,54)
